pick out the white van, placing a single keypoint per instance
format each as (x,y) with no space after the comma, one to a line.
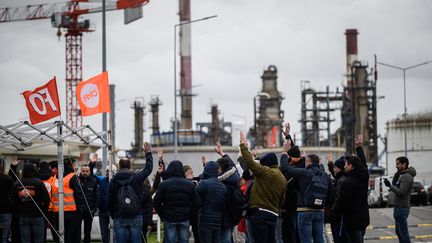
(378,192)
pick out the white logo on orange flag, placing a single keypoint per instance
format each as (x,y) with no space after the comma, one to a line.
(93,95)
(43,102)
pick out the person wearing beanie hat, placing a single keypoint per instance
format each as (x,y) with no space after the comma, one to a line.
(338,173)
(25,194)
(352,201)
(267,193)
(310,204)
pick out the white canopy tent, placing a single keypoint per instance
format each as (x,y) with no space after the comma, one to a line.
(24,136)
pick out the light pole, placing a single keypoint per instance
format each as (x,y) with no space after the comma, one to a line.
(404,69)
(175,78)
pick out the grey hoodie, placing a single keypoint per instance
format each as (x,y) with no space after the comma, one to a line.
(403,187)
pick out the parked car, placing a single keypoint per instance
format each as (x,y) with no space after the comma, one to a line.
(418,195)
(378,192)
(429,192)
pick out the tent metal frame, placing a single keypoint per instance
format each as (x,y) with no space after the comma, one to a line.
(24,136)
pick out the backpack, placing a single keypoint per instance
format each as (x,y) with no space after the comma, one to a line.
(235,206)
(316,192)
(128,202)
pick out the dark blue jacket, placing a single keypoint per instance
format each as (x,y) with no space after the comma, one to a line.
(91,193)
(176,197)
(230,179)
(212,193)
(102,182)
(303,177)
(121,178)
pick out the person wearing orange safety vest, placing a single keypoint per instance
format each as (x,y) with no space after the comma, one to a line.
(72,203)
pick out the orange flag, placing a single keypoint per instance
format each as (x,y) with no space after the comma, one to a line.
(43,102)
(93,95)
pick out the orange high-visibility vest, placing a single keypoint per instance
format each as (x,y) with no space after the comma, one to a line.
(69,201)
(50,184)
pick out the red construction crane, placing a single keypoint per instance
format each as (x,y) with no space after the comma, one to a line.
(66,16)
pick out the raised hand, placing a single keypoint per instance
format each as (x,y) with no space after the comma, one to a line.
(161,168)
(147,147)
(203,160)
(287,129)
(160,154)
(242,138)
(359,140)
(219,149)
(329,157)
(287,146)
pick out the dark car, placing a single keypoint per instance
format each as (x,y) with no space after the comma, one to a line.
(429,192)
(418,194)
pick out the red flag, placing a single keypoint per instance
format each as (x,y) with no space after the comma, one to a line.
(93,95)
(43,102)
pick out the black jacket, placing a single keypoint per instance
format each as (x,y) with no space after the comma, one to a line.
(212,193)
(6,183)
(121,178)
(90,188)
(351,203)
(21,197)
(176,196)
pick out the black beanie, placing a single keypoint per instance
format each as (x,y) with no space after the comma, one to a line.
(340,163)
(294,152)
(269,160)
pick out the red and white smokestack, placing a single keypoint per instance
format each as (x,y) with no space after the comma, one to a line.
(351,45)
(185,65)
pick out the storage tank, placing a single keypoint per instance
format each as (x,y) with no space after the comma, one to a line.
(419,144)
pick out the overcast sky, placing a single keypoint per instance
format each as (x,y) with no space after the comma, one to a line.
(304,39)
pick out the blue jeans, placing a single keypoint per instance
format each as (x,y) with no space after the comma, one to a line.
(176,232)
(264,226)
(311,226)
(226,235)
(278,230)
(401,215)
(32,226)
(5,221)
(128,229)
(209,233)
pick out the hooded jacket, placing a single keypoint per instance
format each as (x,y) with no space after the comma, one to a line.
(403,186)
(268,191)
(28,189)
(212,193)
(122,178)
(351,203)
(176,197)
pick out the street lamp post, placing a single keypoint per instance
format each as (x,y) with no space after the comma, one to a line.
(404,69)
(175,79)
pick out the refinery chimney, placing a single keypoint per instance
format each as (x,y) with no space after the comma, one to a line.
(351,47)
(185,66)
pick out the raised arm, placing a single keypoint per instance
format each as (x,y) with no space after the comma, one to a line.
(146,171)
(256,168)
(359,149)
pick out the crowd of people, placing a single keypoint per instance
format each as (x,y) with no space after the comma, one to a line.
(270,199)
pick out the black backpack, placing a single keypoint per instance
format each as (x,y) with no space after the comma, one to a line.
(316,192)
(128,202)
(235,205)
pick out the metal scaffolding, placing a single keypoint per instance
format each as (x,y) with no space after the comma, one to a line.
(23,136)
